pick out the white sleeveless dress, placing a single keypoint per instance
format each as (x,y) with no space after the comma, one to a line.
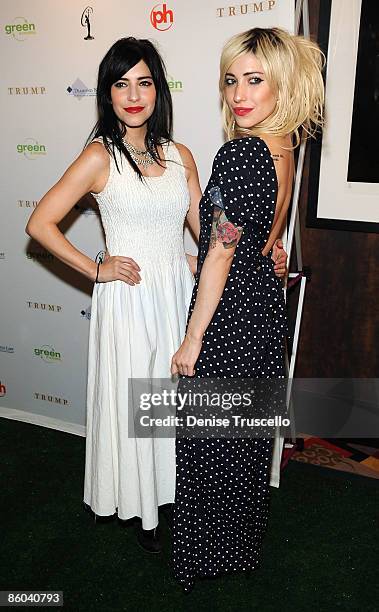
(134,332)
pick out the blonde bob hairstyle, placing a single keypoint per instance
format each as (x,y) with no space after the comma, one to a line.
(292,66)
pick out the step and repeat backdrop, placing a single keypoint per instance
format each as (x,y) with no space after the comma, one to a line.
(50,52)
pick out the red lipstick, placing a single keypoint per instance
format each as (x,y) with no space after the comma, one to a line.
(133,110)
(241,111)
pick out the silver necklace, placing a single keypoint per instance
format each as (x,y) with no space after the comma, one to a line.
(147,158)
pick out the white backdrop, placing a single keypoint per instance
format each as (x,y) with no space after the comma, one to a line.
(49,75)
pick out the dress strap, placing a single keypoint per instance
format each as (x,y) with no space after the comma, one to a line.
(173,156)
(98,139)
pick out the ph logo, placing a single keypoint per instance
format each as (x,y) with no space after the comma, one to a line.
(3,390)
(161,18)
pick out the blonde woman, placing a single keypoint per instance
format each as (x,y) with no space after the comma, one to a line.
(270,85)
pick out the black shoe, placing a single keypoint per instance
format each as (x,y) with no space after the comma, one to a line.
(149,540)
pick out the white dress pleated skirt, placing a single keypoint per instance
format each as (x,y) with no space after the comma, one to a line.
(134,332)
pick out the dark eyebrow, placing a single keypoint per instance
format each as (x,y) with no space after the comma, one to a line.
(138,79)
(245,73)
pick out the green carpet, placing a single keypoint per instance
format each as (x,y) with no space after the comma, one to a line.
(319,552)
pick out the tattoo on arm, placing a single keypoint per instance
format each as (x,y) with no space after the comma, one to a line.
(277,156)
(223,230)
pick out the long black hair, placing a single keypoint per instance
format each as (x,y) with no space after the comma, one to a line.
(121,57)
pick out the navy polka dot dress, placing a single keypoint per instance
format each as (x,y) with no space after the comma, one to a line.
(221,501)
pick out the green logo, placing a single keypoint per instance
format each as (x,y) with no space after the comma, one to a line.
(48,354)
(31,149)
(20,29)
(174,85)
(39,255)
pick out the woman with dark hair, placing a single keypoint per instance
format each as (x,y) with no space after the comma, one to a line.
(153,126)
(146,187)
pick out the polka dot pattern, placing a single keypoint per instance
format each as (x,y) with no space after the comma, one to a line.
(221,501)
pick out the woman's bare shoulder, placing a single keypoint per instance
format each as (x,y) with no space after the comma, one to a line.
(96,153)
(185,154)
(94,163)
(280,147)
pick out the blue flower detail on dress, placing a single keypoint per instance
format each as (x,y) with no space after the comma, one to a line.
(216,197)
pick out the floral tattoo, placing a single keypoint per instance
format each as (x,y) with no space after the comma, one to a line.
(223,230)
